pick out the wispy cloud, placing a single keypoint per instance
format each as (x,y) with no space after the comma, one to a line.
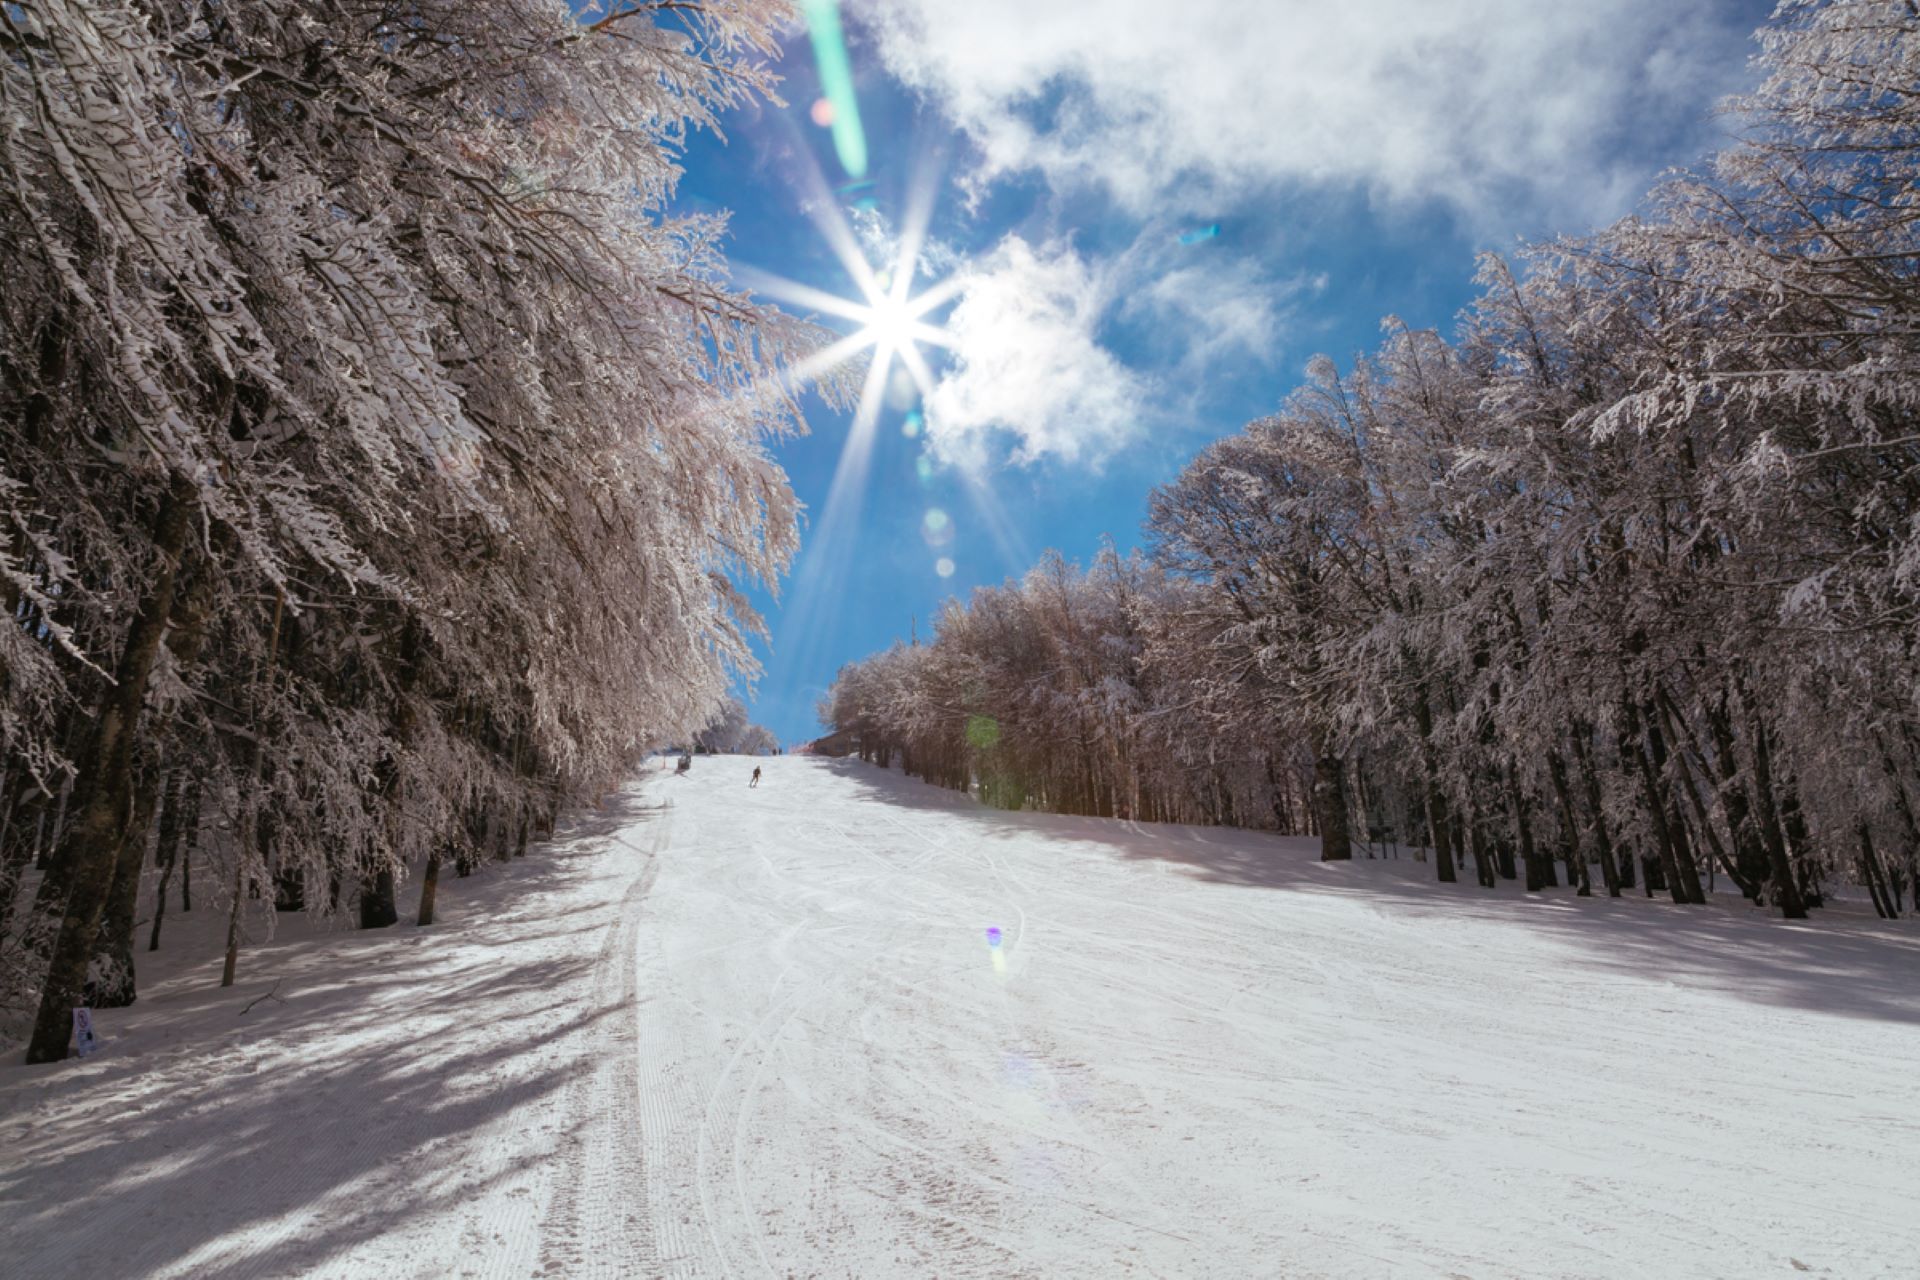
(1484,105)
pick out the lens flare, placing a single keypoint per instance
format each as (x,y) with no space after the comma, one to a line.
(944,566)
(983,732)
(836,81)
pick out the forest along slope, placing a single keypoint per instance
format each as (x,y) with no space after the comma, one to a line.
(884,1030)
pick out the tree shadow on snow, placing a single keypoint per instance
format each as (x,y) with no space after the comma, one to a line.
(1843,961)
(276,1142)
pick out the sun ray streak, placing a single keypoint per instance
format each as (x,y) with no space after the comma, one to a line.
(917,366)
(829,358)
(801,295)
(931,336)
(1013,550)
(940,293)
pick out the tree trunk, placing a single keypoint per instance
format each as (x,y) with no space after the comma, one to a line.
(1748,889)
(113,950)
(1785,886)
(255,835)
(1875,876)
(1330,807)
(1569,826)
(92,845)
(1436,801)
(1616,864)
(1530,859)
(1749,842)
(20,845)
(1485,868)
(177,827)
(429,887)
(1439,834)
(1675,861)
(377,909)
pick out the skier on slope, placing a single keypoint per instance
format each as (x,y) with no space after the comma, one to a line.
(756,777)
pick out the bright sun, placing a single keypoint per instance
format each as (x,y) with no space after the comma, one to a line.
(891,322)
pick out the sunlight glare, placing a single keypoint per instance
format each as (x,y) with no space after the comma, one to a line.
(891,322)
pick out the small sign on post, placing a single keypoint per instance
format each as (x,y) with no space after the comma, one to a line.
(83,1040)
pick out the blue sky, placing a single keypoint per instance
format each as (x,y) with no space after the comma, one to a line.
(1072,159)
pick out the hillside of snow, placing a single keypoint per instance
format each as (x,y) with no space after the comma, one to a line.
(845,1024)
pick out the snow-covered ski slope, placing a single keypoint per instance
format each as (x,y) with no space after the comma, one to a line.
(774,1031)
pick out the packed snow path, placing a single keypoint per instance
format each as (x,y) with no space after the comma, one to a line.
(844,1024)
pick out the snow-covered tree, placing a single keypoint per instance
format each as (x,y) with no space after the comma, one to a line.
(379,457)
(1622,576)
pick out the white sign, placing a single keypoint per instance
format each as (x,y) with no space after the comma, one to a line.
(83,1040)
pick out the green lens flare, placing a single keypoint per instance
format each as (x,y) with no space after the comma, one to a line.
(836,81)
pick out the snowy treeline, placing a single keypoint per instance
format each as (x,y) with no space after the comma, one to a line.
(1626,573)
(379,458)
(731,732)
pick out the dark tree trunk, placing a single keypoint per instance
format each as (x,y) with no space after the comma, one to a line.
(1748,888)
(1653,874)
(1616,863)
(377,909)
(1485,869)
(1330,808)
(429,887)
(1569,825)
(289,889)
(1503,857)
(1436,800)
(1439,833)
(177,828)
(1650,757)
(113,951)
(256,836)
(1537,877)
(92,845)
(1875,876)
(1749,842)
(1785,887)
(26,821)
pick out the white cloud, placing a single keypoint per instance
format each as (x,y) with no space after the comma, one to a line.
(1483,104)
(1030,376)
(1027,365)
(1216,309)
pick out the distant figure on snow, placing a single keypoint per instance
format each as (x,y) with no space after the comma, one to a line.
(756,777)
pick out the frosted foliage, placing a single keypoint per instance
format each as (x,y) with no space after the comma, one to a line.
(358,346)
(732,732)
(1619,582)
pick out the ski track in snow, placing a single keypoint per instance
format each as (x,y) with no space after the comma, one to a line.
(743,1033)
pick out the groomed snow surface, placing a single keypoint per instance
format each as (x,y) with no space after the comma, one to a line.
(721,1031)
